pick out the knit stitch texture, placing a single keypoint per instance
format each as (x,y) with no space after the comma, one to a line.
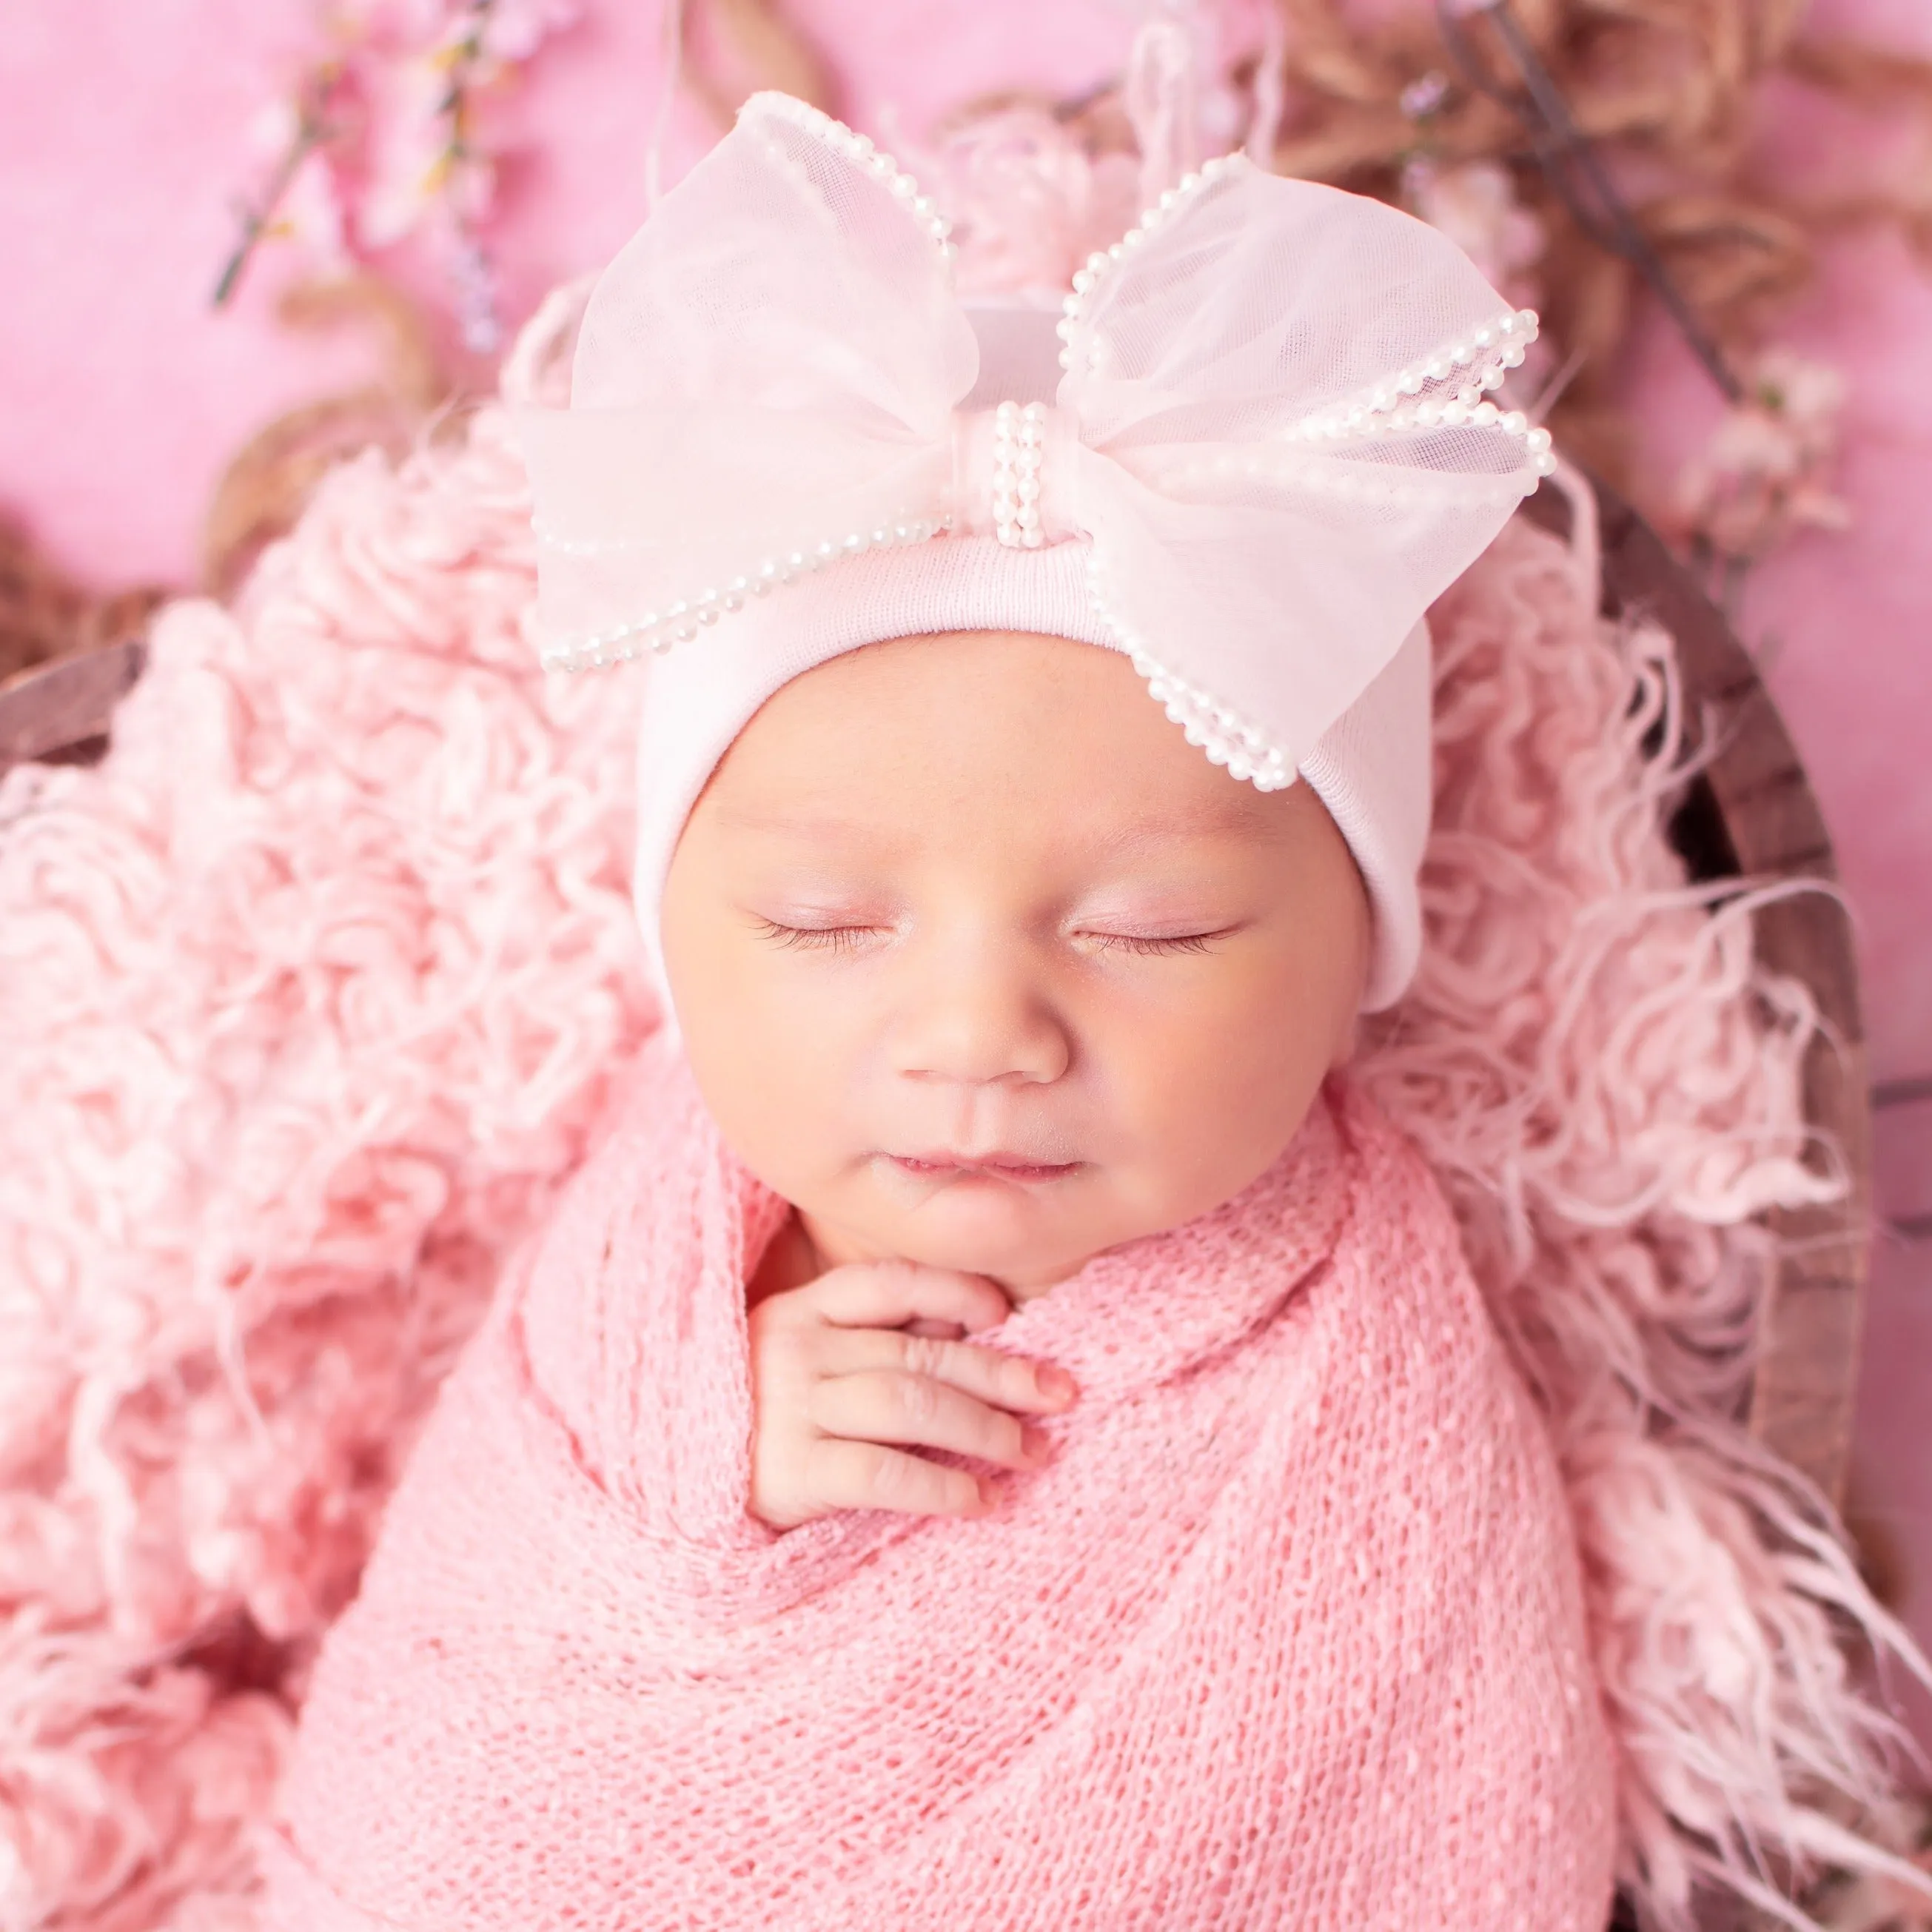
(1289,1632)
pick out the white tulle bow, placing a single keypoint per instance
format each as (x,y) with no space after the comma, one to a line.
(1273,432)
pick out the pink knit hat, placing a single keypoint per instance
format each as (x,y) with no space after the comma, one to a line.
(1264,444)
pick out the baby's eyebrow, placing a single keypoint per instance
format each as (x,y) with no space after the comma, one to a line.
(1242,811)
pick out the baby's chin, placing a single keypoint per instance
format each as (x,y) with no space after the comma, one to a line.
(1026,1235)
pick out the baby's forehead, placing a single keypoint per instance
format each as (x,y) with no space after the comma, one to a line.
(978,715)
(901,823)
(833,813)
(1031,743)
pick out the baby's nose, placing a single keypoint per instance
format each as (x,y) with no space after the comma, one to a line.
(1012,473)
(982,1034)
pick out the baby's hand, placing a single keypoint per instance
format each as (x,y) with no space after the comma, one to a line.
(860,1357)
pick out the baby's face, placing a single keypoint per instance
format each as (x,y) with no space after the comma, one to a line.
(974,898)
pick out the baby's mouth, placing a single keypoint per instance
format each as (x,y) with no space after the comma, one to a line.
(942,1166)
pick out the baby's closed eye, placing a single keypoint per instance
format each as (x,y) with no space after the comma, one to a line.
(837,938)
(1144,942)
(845,937)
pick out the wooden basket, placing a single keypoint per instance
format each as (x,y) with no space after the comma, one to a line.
(1749,814)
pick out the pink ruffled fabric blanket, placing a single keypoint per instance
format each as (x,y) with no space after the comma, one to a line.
(1290,1631)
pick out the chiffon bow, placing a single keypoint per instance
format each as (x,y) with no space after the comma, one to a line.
(1273,431)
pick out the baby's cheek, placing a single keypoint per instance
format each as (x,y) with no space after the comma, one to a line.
(777,1081)
(1206,1107)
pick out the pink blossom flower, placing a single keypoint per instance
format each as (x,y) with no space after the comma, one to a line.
(1764,472)
(312,212)
(1475,204)
(1028,203)
(402,153)
(405,147)
(516,28)
(311,209)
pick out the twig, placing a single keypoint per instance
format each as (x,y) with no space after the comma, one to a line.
(1559,144)
(476,295)
(311,131)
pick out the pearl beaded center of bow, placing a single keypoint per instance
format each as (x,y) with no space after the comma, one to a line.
(1010,473)
(1019,438)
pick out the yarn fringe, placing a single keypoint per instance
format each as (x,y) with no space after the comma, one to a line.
(311,997)
(1609,1084)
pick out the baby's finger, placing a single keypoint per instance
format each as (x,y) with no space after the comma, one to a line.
(950,1331)
(883,1294)
(1007,1381)
(887,1406)
(844,1475)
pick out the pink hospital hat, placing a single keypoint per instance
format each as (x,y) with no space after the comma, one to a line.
(1256,444)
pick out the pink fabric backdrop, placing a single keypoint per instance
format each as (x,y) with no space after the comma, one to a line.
(124,139)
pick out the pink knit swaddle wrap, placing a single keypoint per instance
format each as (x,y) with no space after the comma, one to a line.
(1289,1633)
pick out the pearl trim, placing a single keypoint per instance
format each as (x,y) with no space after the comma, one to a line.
(680,621)
(1477,363)
(1019,439)
(1221,732)
(1484,358)
(859,148)
(1353,482)
(1102,261)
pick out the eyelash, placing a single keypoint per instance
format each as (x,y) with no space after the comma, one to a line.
(827,938)
(1191,942)
(844,939)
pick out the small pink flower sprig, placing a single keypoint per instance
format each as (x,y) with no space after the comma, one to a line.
(1476,204)
(1765,472)
(382,142)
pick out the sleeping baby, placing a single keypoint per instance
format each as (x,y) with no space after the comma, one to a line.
(1000,1434)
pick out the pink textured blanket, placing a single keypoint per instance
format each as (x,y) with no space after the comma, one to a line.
(1289,1632)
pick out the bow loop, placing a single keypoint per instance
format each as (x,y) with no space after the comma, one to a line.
(795,268)
(765,373)
(1270,512)
(1274,434)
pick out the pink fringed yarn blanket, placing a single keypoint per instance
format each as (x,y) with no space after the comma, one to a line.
(1289,1633)
(312,996)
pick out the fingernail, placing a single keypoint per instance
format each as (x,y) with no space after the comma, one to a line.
(1056,1383)
(989,1493)
(1035,1444)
